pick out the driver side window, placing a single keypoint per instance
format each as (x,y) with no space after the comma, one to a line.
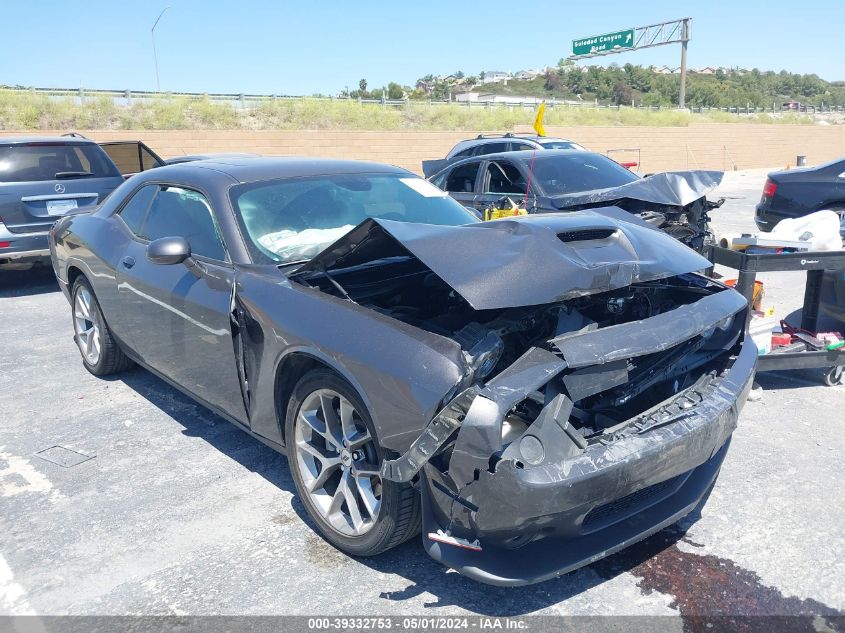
(158,211)
(462,178)
(504,177)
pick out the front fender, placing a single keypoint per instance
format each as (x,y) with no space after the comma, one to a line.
(401,372)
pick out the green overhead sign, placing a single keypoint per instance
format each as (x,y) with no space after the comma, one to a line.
(600,43)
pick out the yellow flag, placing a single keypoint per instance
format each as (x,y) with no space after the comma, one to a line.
(538,120)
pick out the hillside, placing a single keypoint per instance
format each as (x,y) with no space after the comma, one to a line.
(624,84)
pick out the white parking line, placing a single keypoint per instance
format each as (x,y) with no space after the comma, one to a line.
(13,599)
(18,468)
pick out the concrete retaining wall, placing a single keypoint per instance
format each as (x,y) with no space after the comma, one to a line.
(706,146)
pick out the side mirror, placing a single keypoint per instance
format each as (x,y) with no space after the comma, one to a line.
(169,250)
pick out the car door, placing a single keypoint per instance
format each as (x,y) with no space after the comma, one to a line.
(131,157)
(177,317)
(461,182)
(500,179)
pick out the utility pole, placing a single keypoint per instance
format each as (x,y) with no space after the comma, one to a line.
(682,97)
(155,55)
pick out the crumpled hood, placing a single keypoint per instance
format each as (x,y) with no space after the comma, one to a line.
(521,261)
(672,188)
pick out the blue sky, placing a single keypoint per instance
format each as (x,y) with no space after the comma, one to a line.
(298,47)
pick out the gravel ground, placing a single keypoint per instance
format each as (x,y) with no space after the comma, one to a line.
(174,511)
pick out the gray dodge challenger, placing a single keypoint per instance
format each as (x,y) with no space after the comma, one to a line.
(532,393)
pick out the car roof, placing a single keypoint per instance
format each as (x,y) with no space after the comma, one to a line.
(251,169)
(66,140)
(460,146)
(518,136)
(210,156)
(524,156)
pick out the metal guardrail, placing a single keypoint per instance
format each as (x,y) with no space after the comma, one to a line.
(247,100)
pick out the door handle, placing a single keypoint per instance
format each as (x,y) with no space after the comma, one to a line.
(128,262)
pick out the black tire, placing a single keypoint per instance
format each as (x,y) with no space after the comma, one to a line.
(835,376)
(399,514)
(111,358)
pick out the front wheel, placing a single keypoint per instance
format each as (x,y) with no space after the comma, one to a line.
(101,354)
(335,458)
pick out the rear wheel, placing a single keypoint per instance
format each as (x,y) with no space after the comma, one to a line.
(101,354)
(335,460)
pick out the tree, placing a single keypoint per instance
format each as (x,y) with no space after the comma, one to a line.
(459,75)
(622,93)
(362,86)
(481,75)
(394,91)
(551,81)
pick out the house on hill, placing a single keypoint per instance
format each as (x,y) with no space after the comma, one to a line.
(495,76)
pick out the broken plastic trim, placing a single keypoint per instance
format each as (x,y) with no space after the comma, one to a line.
(471,411)
(479,412)
(432,438)
(444,537)
(662,332)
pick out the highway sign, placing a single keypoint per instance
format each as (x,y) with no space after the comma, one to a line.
(606,42)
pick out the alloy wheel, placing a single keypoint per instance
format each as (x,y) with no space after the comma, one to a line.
(86,326)
(337,460)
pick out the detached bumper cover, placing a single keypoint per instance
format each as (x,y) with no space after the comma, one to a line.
(541,521)
(551,501)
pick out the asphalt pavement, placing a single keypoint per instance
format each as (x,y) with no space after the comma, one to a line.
(123,496)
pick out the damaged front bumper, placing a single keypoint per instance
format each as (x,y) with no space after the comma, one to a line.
(552,502)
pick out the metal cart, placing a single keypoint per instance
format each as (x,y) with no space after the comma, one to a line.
(815,263)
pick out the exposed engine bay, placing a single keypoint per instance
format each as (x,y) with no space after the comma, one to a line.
(674,202)
(690,224)
(492,340)
(598,376)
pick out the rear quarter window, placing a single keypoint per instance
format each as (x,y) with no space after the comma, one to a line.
(492,148)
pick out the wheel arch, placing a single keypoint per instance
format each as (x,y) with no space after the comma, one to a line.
(73,273)
(293,365)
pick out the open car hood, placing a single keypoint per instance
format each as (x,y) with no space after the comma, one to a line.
(522,261)
(673,188)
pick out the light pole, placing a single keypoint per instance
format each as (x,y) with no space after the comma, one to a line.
(155,56)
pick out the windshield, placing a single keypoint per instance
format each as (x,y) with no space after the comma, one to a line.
(561,145)
(292,220)
(564,173)
(39,161)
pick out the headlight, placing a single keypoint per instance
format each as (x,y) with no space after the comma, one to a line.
(484,355)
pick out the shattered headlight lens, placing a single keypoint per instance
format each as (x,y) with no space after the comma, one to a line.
(726,323)
(484,355)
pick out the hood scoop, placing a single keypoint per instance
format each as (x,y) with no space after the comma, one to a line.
(521,261)
(585,235)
